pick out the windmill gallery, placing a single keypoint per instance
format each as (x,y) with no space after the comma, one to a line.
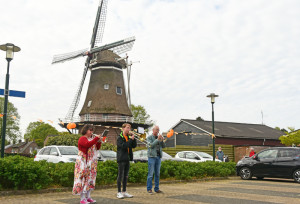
(107,102)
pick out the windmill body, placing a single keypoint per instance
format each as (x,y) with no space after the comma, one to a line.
(106,98)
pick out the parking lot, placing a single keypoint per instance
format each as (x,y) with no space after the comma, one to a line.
(232,190)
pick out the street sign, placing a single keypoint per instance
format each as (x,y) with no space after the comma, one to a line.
(14,93)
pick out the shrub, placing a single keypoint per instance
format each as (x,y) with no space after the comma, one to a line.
(17,172)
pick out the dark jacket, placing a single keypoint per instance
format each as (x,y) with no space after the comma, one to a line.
(122,148)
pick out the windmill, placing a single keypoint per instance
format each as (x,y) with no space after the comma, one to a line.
(106,103)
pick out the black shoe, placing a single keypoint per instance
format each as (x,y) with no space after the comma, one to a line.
(150,191)
(159,191)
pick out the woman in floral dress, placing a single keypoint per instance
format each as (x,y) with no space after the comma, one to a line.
(86,164)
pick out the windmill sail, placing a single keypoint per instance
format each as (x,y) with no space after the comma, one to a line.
(99,23)
(117,47)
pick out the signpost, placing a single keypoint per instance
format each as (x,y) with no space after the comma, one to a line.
(14,93)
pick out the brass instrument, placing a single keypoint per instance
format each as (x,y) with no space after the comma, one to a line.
(101,138)
(140,137)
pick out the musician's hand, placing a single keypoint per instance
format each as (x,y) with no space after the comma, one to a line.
(97,135)
(160,137)
(132,137)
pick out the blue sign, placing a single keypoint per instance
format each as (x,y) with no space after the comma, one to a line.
(14,93)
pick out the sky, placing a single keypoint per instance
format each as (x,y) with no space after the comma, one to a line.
(247,52)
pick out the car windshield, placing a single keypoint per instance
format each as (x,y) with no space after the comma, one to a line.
(204,155)
(108,154)
(165,155)
(140,153)
(68,150)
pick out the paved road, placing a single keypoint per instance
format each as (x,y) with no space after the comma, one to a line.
(229,191)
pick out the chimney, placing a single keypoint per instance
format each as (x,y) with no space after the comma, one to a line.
(20,141)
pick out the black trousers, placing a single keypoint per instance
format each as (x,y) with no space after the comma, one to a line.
(123,170)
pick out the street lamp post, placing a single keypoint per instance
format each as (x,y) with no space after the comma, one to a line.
(212,96)
(10,49)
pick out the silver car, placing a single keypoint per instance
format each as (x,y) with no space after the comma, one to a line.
(195,156)
(104,155)
(57,154)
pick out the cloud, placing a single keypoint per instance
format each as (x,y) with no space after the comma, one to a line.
(245,51)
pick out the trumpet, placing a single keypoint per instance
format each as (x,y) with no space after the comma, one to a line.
(102,139)
(140,137)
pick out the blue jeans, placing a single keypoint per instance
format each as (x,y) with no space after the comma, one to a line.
(153,167)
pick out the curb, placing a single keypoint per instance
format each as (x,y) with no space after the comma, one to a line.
(65,189)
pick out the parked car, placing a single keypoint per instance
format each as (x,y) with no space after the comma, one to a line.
(141,156)
(277,162)
(57,154)
(194,156)
(104,155)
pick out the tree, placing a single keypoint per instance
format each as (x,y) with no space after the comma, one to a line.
(140,114)
(291,138)
(12,133)
(64,138)
(290,129)
(38,131)
(199,118)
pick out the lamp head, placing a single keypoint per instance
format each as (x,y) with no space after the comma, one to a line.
(212,96)
(10,49)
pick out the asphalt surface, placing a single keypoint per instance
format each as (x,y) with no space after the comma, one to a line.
(229,191)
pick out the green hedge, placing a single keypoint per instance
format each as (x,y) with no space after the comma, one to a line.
(18,172)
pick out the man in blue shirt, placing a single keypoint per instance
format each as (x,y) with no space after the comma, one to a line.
(220,154)
(155,145)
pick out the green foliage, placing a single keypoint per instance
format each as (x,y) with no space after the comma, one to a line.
(107,172)
(191,170)
(138,173)
(108,146)
(62,173)
(140,114)
(38,131)
(292,138)
(199,118)
(12,122)
(18,172)
(64,138)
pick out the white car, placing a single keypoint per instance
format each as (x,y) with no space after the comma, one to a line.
(194,156)
(57,154)
(104,155)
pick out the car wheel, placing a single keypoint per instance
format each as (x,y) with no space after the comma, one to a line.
(296,175)
(245,173)
(260,178)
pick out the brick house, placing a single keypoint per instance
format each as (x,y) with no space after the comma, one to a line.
(22,147)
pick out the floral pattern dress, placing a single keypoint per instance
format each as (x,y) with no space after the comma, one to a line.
(85,171)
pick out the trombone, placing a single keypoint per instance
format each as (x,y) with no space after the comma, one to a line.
(140,137)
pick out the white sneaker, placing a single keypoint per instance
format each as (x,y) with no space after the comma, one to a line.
(120,195)
(127,195)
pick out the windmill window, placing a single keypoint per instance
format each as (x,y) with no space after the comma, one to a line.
(87,117)
(105,115)
(106,86)
(119,90)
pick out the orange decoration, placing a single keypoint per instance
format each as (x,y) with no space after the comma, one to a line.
(103,139)
(170,133)
(71,126)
